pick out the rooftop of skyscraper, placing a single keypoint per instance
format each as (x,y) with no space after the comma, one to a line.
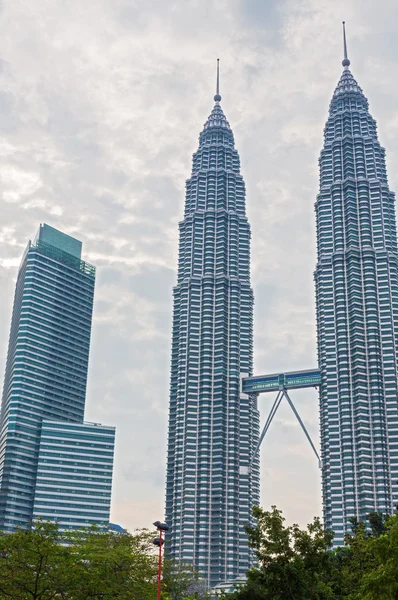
(60,246)
(53,237)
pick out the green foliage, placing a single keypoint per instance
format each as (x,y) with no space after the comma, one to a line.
(358,560)
(380,582)
(377,522)
(112,566)
(292,563)
(300,564)
(182,581)
(33,565)
(87,565)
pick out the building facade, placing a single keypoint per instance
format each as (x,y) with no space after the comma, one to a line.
(213,428)
(47,362)
(74,474)
(357,314)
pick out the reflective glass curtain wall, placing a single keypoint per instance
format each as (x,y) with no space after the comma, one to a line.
(47,362)
(74,474)
(357,314)
(213,428)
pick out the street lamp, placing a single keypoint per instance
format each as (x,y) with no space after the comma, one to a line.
(161,527)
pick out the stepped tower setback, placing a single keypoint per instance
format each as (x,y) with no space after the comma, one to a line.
(213,427)
(357,313)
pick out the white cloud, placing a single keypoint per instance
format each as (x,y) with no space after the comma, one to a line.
(101,104)
(18,184)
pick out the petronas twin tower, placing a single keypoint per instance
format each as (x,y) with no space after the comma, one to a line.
(357,314)
(213,426)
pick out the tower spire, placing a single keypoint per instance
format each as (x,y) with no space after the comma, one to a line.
(217,97)
(346,62)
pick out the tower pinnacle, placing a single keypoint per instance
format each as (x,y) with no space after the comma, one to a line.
(217,97)
(346,62)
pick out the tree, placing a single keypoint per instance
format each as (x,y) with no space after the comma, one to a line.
(293,564)
(361,558)
(108,566)
(300,564)
(182,581)
(377,523)
(358,559)
(42,564)
(380,579)
(33,564)
(354,522)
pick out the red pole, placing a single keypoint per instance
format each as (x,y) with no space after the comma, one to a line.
(160,564)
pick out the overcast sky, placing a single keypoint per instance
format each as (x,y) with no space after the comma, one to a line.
(101,104)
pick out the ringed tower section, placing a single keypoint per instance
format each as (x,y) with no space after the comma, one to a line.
(356,280)
(213,427)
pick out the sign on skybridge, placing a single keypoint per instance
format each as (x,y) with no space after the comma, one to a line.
(282,381)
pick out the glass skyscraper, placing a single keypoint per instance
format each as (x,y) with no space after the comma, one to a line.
(46,369)
(357,314)
(74,474)
(213,428)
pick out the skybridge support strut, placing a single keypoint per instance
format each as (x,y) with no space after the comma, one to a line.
(283,393)
(303,427)
(268,422)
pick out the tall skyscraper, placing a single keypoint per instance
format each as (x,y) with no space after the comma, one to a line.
(213,428)
(46,370)
(357,313)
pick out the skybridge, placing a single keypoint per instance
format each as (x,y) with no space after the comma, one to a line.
(282,383)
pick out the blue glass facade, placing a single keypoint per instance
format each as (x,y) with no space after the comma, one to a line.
(46,369)
(74,474)
(357,314)
(213,428)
